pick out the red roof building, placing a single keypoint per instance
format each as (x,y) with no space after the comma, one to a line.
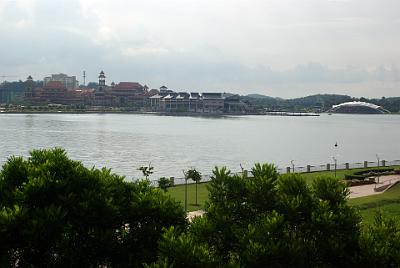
(54,92)
(54,85)
(129,86)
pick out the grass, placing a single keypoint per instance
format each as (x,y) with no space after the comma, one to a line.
(178,193)
(388,203)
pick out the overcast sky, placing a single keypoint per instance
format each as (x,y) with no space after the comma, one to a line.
(285,48)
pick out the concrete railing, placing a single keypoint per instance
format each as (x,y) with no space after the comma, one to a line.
(342,166)
(300,169)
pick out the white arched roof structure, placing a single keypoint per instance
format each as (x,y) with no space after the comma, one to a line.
(356,104)
(353,105)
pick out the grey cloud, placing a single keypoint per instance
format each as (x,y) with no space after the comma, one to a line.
(191,69)
(51,38)
(387,74)
(56,36)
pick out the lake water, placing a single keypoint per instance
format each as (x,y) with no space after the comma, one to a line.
(125,142)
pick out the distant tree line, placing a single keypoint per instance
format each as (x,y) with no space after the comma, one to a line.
(319,102)
(13,92)
(391,104)
(54,212)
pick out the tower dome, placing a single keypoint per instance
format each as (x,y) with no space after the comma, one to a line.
(102,80)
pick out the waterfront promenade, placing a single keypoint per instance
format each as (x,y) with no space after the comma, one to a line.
(385,182)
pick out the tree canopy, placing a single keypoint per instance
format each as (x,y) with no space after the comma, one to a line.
(268,220)
(55,212)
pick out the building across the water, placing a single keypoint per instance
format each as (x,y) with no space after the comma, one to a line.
(63,89)
(358,107)
(119,95)
(196,102)
(132,94)
(69,82)
(53,92)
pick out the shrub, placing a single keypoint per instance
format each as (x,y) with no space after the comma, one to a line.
(54,212)
(164,184)
(361,175)
(270,221)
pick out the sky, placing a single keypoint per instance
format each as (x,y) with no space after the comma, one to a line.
(281,48)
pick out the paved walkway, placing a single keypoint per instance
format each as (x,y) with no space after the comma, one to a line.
(192,214)
(365,190)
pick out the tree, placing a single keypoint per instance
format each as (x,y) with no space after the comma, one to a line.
(147,171)
(380,243)
(55,212)
(163,184)
(92,85)
(271,220)
(194,175)
(186,251)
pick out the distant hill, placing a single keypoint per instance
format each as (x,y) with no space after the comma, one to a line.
(316,103)
(261,101)
(319,102)
(391,104)
(259,96)
(323,101)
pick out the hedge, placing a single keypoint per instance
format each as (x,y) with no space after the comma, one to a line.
(361,175)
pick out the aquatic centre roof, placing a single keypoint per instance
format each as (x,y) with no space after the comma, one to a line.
(356,104)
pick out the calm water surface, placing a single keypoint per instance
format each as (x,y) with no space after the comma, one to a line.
(125,142)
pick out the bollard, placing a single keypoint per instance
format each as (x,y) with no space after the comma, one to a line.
(347,166)
(365,164)
(383,163)
(328,167)
(288,170)
(308,168)
(245,173)
(171,181)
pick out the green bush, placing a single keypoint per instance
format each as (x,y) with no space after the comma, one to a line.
(54,212)
(380,243)
(361,175)
(269,220)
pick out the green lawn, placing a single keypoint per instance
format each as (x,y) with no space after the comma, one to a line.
(388,202)
(178,192)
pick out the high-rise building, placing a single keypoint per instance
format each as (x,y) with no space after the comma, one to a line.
(67,81)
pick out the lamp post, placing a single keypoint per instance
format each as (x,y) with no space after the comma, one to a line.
(291,161)
(377,157)
(186,179)
(334,159)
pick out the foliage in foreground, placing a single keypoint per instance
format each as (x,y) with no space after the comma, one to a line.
(279,221)
(55,212)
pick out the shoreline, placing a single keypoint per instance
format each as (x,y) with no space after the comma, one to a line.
(131,112)
(190,114)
